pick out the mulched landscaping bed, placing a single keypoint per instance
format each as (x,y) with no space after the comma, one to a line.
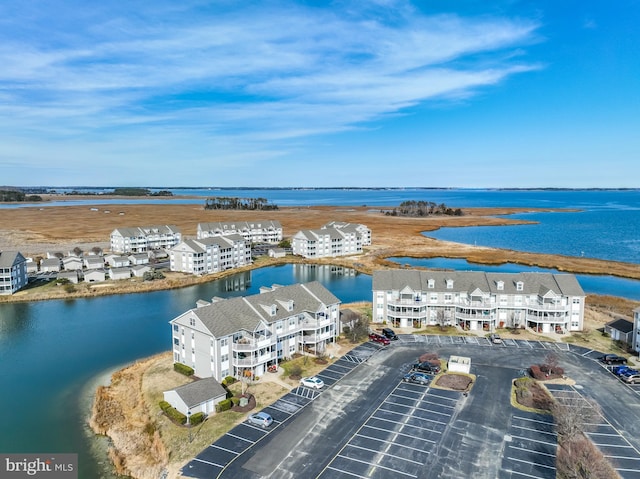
(250,405)
(457,382)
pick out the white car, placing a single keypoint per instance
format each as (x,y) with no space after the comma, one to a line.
(312,382)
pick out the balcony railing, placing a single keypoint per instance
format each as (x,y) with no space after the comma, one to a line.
(314,338)
(254,360)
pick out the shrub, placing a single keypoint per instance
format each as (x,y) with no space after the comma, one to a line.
(235,400)
(183,369)
(196,418)
(164,405)
(228,380)
(172,413)
(224,405)
(537,373)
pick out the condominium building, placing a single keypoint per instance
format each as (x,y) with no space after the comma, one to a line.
(474,300)
(329,241)
(635,339)
(362,230)
(268,231)
(141,239)
(246,335)
(210,255)
(13,272)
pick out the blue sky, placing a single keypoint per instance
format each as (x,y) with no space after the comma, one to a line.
(436,93)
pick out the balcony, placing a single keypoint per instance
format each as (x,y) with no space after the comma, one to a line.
(248,343)
(314,338)
(254,360)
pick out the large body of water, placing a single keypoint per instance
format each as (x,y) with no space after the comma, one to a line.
(52,352)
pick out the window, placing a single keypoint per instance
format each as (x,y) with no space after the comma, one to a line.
(224,358)
(224,342)
(519,285)
(176,341)
(176,328)
(192,321)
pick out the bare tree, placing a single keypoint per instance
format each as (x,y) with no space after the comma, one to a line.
(580,459)
(551,362)
(574,416)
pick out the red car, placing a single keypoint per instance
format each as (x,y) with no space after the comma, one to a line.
(378,338)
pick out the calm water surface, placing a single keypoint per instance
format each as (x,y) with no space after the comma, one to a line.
(51,351)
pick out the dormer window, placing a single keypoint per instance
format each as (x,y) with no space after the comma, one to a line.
(431,284)
(500,285)
(449,284)
(274,309)
(519,286)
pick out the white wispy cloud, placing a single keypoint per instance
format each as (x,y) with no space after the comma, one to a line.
(213,71)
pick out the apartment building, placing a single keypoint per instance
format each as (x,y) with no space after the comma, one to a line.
(362,230)
(268,231)
(328,241)
(246,335)
(141,239)
(210,255)
(544,302)
(13,272)
(635,338)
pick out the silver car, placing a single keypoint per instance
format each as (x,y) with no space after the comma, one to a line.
(261,419)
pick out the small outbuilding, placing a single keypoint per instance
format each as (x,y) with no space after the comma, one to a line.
(201,395)
(459,364)
(620,330)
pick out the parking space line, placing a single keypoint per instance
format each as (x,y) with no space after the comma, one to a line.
(417,407)
(208,462)
(376,465)
(533,420)
(529,462)
(536,430)
(346,472)
(622,457)
(524,474)
(383,453)
(392,442)
(410,415)
(237,437)
(215,446)
(417,427)
(398,433)
(529,450)
(554,444)
(588,352)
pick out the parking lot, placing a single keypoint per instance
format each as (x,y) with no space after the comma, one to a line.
(366,422)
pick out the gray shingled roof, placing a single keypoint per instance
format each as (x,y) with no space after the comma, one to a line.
(200,391)
(228,316)
(621,325)
(8,259)
(533,283)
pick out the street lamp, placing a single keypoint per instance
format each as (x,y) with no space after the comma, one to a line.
(189,424)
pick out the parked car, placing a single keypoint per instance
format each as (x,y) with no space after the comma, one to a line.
(312,382)
(426,367)
(628,372)
(378,338)
(389,334)
(416,377)
(495,338)
(620,370)
(612,359)
(261,419)
(632,378)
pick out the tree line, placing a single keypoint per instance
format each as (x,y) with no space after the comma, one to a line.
(17,196)
(235,203)
(423,208)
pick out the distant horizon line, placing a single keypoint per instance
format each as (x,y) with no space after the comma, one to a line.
(515,188)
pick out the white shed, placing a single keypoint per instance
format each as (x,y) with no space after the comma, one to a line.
(459,364)
(199,396)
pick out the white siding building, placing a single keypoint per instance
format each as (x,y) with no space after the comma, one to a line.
(635,343)
(252,231)
(236,336)
(329,241)
(145,238)
(473,300)
(210,255)
(13,272)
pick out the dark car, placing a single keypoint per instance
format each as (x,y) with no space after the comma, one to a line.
(620,370)
(378,338)
(389,334)
(415,377)
(612,359)
(426,367)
